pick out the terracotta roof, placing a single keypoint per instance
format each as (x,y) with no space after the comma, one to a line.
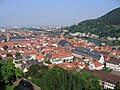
(61,54)
(3,52)
(97,64)
(78,62)
(13,53)
(65,65)
(39,57)
(8,58)
(47,49)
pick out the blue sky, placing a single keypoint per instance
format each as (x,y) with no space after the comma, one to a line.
(52,12)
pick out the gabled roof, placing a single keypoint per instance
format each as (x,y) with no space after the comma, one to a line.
(8,58)
(78,63)
(17,38)
(65,65)
(30,37)
(18,58)
(86,51)
(31,62)
(95,42)
(2,37)
(39,57)
(97,64)
(114,61)
(104,52)
(61,54)
(3,52)
(64,43)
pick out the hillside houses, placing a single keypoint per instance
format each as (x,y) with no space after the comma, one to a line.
(68,53)
(61,56)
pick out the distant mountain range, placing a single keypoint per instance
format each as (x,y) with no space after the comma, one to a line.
(104,26)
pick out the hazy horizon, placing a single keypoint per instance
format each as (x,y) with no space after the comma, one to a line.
(52,12)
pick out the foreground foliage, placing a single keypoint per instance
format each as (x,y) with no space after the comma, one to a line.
(60,79)
(8,74)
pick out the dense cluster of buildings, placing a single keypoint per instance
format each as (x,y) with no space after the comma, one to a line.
(70,54)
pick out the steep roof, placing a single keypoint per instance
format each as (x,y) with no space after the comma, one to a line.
(64,43)
(114,61)
(39,57)
(31,62)
(97,64)
(30,37)
(86,51)
(2,37)
(17,38)
(19,58)
(65,65)
(61,54)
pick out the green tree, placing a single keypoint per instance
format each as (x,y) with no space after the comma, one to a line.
(60,79)
(36,70)
(57,78)
(117,87)
(90,81)
(7,72)
(18,73)
(17,54)
(48,62)
(9,55)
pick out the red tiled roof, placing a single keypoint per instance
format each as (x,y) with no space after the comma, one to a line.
(78,62)
(65,65)
(97,64)
(3,52)
(61,54)
(39,57)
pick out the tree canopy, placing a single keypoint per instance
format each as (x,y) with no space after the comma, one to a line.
(8,73)
(60,79)
(17,54)
(9,55)
(117,86)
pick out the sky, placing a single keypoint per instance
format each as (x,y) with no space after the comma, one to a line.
(52,12)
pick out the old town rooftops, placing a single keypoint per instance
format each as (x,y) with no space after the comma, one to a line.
(87,51)
(114,61)
(64,43)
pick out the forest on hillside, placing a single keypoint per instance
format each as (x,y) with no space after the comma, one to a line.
(104,26)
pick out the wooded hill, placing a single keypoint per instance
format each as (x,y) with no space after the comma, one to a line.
(107,25)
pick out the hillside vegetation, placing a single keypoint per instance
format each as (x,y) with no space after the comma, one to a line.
(107,25)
